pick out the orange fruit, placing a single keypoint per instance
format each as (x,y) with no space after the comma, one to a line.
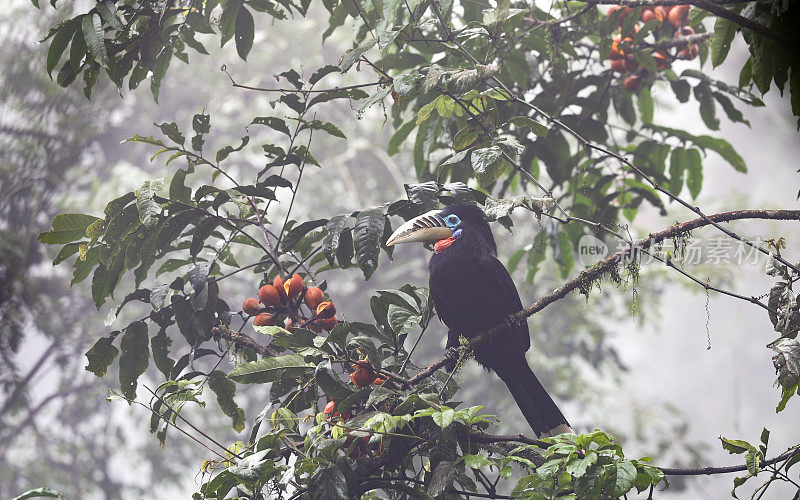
(314,297)
(264,319)
(632,83)
(269,296)
(250,306)
(662,59)
(326,310)
(678,15)
(330,407)
(362,378)
(328,324)
(648,15)
(278,284)
(294,286)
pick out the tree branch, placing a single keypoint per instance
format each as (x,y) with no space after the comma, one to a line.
(596,271)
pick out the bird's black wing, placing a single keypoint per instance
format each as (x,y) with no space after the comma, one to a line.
(473,295)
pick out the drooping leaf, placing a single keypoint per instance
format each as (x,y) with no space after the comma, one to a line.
(134,357)
(100,356)
(93,34)
(270,369)
(225,390)
(367,239)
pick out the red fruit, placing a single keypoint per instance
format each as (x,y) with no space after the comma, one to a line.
(315,327)
(328,324)
(630,65)
(278,284)
(622,15)
(689,52)
(329,407)
(618,65)
(395,97)
(364,374)
(314,297)
(619,44)
(662,59)
(326,310)
(661,13)
(269,296)
(294,286)
(648,15)
(678,15)
(632,83)
(264,319)
(250,306)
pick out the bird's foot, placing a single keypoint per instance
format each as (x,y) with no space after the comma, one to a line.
(451,353)
(512,321)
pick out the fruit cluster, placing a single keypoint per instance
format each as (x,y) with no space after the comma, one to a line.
(673,22)
(285,298)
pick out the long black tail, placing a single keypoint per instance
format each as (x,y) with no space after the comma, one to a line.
(536,404)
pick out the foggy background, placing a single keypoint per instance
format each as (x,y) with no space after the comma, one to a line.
(656,385)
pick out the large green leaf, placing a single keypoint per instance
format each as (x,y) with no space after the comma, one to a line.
(134,358)
(367,234)
(270,369)
(101,355)
(67,228)
(225,389)
(93,34)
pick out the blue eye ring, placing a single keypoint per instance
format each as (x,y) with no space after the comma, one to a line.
(452,221)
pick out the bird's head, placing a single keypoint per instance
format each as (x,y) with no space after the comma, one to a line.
(463,223)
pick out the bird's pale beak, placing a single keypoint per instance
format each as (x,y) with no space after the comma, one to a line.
(426,227)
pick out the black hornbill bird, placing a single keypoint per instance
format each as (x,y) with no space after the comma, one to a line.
(472,291)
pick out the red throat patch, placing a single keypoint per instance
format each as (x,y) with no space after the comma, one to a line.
(441,245)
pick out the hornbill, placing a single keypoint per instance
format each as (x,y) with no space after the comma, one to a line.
(472,291)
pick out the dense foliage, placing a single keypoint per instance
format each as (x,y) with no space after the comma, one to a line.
(511,106)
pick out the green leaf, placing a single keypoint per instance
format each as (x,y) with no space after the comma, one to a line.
(487,164)
(172,131)
(270,369)
(677,167)
(245,30)
(57,46)
(225,390)
(93,34)
(100,356)
(399,137)
(353,55)
(694,172)
(526,122)
(273,123)
(134,358)
(330,244)
(623,478)
(330,384)
(328,483)
(444,418)
(67,228)
(476,461)
(682,90)
(724,32)
(724,149)
(108,11)
(147,207)
(645,101)
(227,21)
(39,492)
(401,319)
(736,446)
(367,234)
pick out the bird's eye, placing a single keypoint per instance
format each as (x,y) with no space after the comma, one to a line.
(453,220)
